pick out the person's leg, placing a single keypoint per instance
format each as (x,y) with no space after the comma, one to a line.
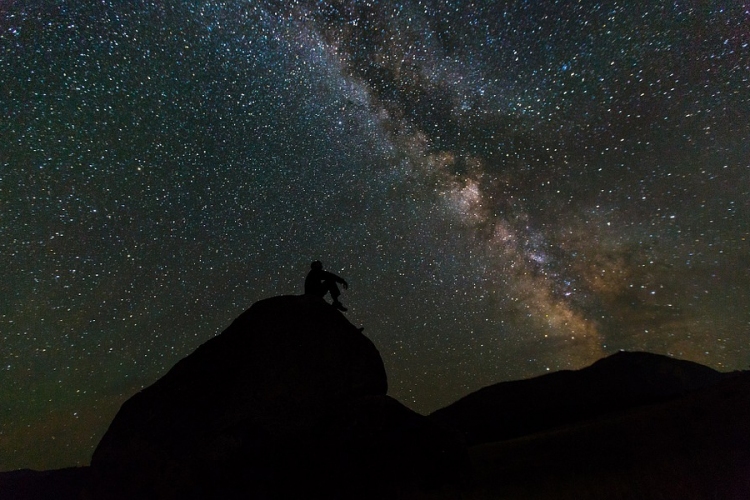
(330,286)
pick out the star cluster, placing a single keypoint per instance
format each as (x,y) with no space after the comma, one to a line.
(509,187)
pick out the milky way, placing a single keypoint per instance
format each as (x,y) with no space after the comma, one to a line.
(510,188)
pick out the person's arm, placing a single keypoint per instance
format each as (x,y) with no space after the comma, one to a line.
(338,279)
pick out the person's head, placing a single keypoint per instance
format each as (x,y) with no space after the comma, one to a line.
(316,264)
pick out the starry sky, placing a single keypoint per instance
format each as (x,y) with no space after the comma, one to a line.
(509,187)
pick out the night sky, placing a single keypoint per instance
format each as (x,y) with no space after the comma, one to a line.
(509,187)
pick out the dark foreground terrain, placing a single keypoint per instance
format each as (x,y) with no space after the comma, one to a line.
(290,402)
(693,447)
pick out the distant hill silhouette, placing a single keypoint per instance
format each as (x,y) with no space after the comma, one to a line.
(621,381)
(60,484)
(692,447)
(290,402)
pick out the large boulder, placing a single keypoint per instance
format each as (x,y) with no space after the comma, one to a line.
(290,399)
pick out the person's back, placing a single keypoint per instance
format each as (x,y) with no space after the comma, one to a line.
(314,282)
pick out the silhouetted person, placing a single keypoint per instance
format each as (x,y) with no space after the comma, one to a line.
(319,282)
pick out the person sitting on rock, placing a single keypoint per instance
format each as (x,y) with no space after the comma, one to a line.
(319,282)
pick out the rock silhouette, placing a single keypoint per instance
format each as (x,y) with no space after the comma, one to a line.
(289,400)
